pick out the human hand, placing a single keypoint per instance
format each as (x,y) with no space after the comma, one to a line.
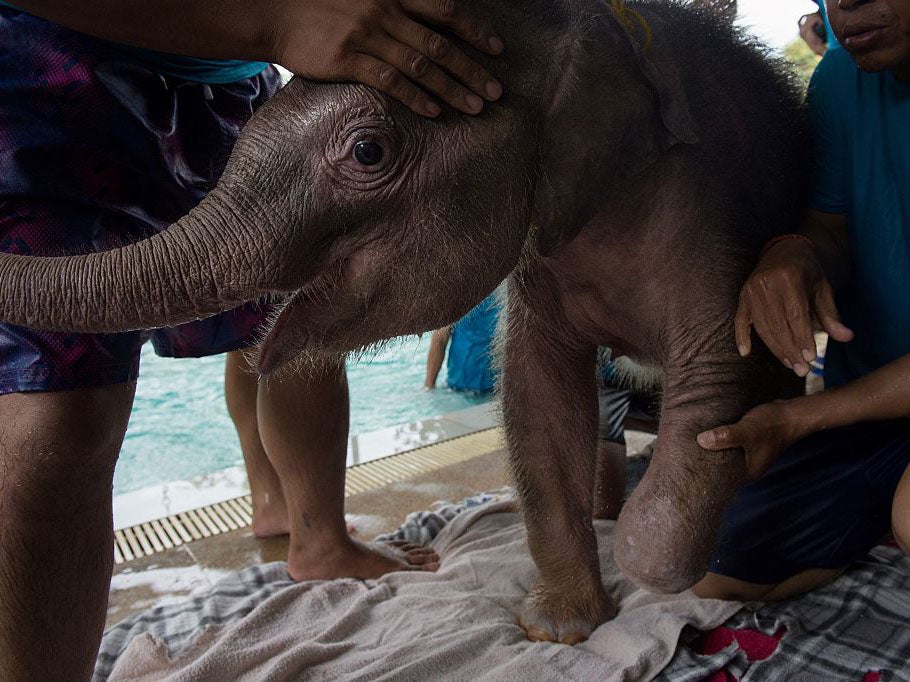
(763,433)
(812,30)
(383,44)
(776,301)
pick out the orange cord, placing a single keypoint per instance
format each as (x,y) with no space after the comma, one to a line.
(629,17)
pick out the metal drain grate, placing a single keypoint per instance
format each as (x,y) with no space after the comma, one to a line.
(158,535)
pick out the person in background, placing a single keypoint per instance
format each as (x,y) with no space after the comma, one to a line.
(816,31)
(108,134)
(622,405)
(469,343)
(831,470)
(470,368)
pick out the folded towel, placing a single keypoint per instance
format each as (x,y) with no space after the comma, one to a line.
(460,622)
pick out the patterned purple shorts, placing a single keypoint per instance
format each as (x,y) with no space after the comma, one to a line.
(97,151)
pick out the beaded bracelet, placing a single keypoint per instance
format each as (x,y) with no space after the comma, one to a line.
(782,238)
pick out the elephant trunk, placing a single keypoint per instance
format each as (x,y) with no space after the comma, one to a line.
(207,262)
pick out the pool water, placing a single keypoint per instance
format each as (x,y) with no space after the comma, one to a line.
(180,428)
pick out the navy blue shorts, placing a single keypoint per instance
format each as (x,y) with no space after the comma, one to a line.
(96,151)
(824,504)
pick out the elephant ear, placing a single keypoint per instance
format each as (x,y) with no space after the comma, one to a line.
(617,107)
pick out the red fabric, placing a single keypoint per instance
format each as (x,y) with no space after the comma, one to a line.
(873,676)
(756,645)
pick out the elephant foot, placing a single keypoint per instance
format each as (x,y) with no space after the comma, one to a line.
(666,532)
(565,617)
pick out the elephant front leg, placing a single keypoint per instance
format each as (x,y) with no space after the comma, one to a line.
(667,529)
(549,396)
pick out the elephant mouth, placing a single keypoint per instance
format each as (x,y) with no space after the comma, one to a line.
(294,329)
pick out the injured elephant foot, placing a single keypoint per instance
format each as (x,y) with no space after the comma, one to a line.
(566,617)
(354,559)
(666,531)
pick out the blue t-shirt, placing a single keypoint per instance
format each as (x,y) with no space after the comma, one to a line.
(469,366)
(212,71)
(861,139)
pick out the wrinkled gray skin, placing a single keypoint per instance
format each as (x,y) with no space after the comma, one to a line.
(624,192)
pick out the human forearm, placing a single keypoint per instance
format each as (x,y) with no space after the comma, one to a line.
(882,394)
(390,45)
(767,430)
(235,29)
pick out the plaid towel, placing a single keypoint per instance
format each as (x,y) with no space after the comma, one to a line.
(856,628)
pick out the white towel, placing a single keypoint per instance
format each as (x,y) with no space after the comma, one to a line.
(458,623)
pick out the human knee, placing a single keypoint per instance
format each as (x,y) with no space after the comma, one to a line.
(60,446)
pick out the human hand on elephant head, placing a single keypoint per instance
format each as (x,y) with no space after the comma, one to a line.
(763,433)
(386,44)
(778,300)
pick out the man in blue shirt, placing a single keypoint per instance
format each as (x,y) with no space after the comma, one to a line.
(109,133)
(835,464)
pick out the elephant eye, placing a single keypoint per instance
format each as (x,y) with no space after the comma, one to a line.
(368,152)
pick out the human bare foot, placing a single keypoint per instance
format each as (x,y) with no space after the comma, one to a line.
(355,559)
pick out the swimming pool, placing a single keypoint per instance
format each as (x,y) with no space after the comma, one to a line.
(180,428)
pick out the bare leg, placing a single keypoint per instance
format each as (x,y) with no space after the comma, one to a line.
(716,586)
(57,457)
(610,480)
(270,512)
(303,423)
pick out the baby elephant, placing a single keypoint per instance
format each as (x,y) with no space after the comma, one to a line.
(640,157)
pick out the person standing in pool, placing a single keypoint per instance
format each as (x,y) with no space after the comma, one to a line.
(469,343)
(470,368)
(103,144)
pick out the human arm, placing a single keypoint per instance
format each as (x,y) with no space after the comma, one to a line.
(765,431)
(436,355)
(810,32)
(793,281)
(382,43)
(789,281)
